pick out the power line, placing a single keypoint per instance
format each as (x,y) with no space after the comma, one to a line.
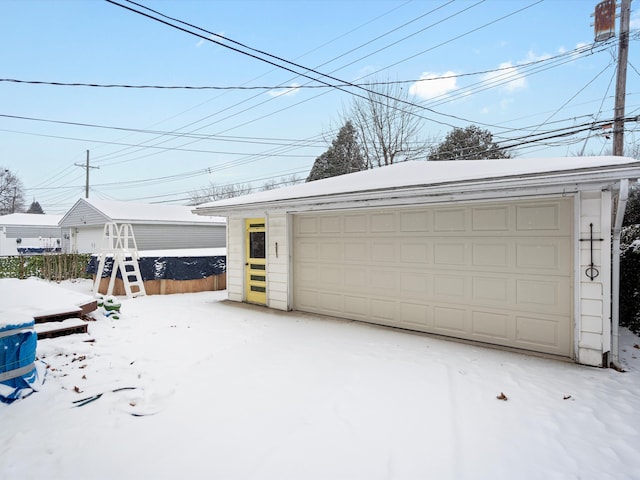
(275,57)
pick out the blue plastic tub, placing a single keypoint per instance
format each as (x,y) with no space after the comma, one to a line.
(18,341)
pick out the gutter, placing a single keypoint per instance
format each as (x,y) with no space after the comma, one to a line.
(615,274)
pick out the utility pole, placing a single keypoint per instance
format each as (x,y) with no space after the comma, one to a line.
(621,81)
(86,167)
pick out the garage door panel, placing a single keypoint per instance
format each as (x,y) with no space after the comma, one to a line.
(384,282)
(306,250)
(306,274)
(415,315)
(331,303)
(356,251)
(547,217)
(415,252)
(544,256)
(307,300)
(492,326)
(543,334)
(447,287)
(331,251)
(449,253)
(415,284)
(383,222)
(356,223)
(450,220)
(358,306)
(548,296)
(491,290)
(329,224)
(490,219)
(383,310)
(448,320)
(415,221)
(495,254)
(356,279)
(307,225)
(500,273)
(331,276)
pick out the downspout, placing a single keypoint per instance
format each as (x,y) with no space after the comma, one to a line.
(615,274)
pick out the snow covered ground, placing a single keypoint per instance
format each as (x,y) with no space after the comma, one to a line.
(219,390)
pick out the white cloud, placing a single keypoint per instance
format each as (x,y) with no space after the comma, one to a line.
(532,57)
(505,102)
(364,72)
(432,85)
(507,76)
(292,90)
(213,36)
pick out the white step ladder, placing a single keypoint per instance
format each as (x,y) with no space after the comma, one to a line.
(119,242)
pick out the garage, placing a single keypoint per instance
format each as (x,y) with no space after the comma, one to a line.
(517,253)
(499,273)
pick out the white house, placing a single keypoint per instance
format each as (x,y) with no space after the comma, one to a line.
(519,253)
(21,232)
(155,226)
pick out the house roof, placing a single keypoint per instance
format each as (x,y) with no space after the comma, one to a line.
(30,220)
(130,212)
(436,178)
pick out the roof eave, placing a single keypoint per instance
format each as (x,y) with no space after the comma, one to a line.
(538,184)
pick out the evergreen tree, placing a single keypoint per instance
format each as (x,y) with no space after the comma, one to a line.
(343,156)
(471,143)
(632,212)
(35,208)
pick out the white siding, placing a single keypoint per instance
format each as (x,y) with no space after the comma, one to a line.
(594,306)
(83,214)
(30,236)
(235,258)
(86,240)
(277,261)
(161,237)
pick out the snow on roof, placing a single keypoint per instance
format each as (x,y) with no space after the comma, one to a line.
(143,212)
(30,219)
(421,173)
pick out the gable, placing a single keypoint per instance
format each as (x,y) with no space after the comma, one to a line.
(83,214)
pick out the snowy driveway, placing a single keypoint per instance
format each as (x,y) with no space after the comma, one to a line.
(216,390)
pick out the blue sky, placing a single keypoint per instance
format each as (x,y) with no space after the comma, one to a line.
(516,68)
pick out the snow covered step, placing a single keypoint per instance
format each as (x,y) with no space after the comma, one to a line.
(57,314)
(58,329)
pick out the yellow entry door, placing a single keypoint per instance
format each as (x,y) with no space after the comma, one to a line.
(256,261)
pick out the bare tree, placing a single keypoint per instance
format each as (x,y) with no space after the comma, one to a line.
(388,126)
(218,192)
(11,192)
(281,182)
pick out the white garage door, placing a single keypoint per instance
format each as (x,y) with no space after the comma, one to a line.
(499,273)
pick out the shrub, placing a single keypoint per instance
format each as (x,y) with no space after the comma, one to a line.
(630,278)
(56,267)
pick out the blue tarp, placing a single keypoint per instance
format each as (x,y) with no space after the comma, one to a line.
(38,250)
(172,268)
(18,373)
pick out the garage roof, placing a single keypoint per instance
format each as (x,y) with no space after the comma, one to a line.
(30,220)
(421,177)
(130,212)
